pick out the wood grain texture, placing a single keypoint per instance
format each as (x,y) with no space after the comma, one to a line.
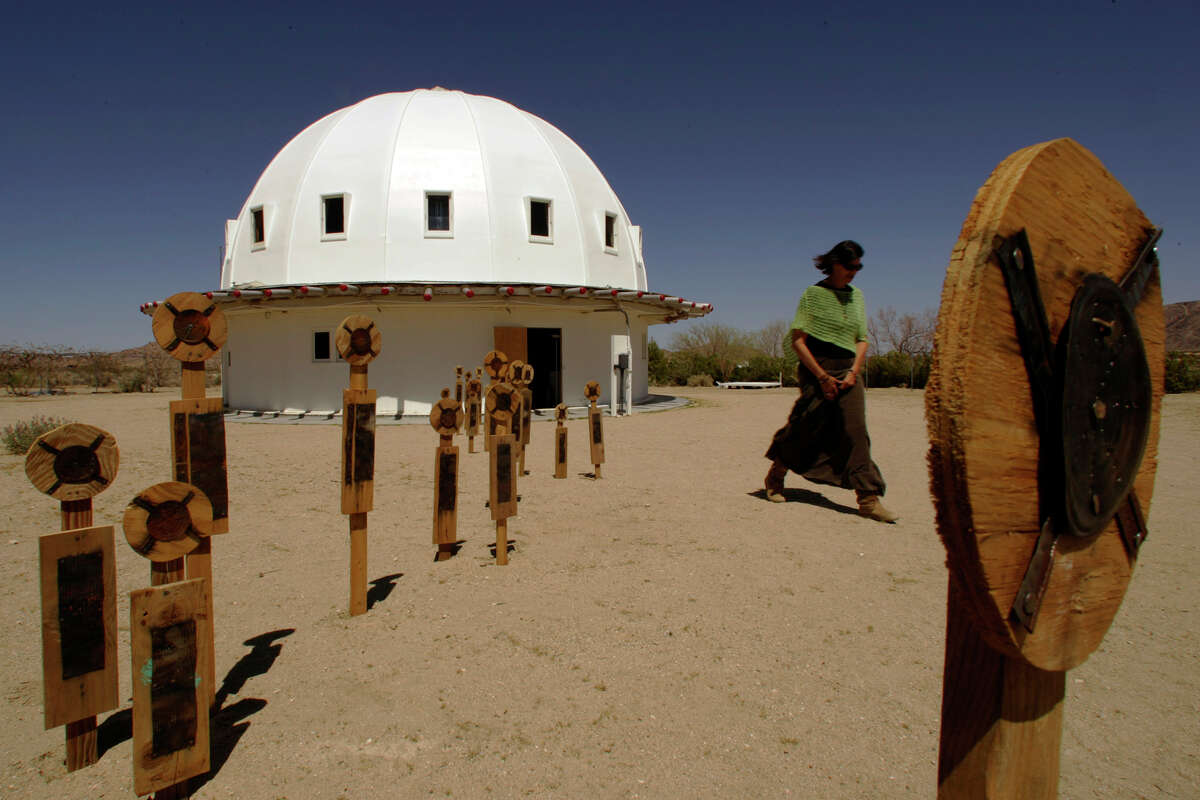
(170,647)
(1001,718)
(358,564)
(560,451)
(445,495)
(198,452)
(984,446)
(596,435)
(167,521)
(189,326)
(78,684)
(502,489)
(358,340)
(358,450)
(512,341)
(73,462)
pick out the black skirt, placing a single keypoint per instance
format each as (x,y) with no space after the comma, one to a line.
(824,440)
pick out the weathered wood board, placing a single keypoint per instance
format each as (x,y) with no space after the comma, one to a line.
(358,450)
(198,452)
(502,495)
(596,434)
(445,495)
(79,624)
(560,452)
(171,636)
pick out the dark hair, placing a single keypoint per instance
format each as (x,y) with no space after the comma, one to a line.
(841,253)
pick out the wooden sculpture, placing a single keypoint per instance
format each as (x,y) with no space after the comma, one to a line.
(472,424)
(446,417)
(1043,414)
(520,377)
(502,485)
(458,391)
(358,342)
(595,426)
(78,572)
(517,429)
(192,329)
(495,363)
(169,646)
(560,441)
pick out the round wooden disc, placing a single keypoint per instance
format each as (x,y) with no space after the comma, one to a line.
(592,391)
(496,365)
(168,520)
(501,401)
(560,412)
(358,341)
(526,374)
(73,462)
(189,326)
(516,369)
(446,416)
(983,438)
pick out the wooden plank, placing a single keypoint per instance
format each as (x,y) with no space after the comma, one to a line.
(560,452)
(502,489)
(198,452)
(596,434)
(170,644)
(79,624)
(445,495)
(358,450)
(512,341)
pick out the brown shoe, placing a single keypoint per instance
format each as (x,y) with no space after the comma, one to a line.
(774,482)
(870,506)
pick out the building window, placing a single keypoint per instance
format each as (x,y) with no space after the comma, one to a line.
(541,220)
(610,233)
(322,346)
(439,215)
(333,217)
(259,224)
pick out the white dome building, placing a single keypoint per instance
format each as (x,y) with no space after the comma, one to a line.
(459,224)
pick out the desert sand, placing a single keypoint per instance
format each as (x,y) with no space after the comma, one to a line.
(662,632)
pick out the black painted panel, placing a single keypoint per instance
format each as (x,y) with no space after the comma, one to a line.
(81,613)
(173,687)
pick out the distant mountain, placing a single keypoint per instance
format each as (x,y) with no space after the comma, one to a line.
(1183,326)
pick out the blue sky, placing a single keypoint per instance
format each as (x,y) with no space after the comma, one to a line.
(744,138)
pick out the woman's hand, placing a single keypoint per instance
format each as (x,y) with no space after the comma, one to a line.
(829,386)
(848,381)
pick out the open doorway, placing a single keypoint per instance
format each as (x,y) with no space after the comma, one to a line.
(545,354)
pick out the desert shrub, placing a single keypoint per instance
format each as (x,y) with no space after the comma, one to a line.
(758,368)
(898,369)
(699,380)
(1183,372)
(18,437)
(132,380)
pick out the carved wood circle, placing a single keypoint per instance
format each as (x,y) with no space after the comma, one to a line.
(167,520)
(446,416)
(358,340)
(189,326)
(495,364)
(73,462)
(592,391)
(979,408)
(501,401)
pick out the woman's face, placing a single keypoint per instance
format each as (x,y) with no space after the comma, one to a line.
(844,273)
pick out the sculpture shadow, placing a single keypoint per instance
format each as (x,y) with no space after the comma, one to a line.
(262,655)
(225,728)
(451,548)
(807,496)
(381,588)
(116,728)
(510,547)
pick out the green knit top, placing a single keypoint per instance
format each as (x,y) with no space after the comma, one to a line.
(837,316)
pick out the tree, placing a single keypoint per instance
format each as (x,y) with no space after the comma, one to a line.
(725,347)
(911,334)
(99,368)
(773,339)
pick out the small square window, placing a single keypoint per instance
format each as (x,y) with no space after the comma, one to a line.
(610,233)
(258,222)
(322,350)
(333,217)
(541,222)
(439,214)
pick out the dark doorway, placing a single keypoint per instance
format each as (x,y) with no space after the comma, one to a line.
(545,354)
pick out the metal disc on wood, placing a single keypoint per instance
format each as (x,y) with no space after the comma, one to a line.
(357,339)
(189,326)
(592,391)
(990,486)
(496,364)
(73,462)
(168,520)
(446,416)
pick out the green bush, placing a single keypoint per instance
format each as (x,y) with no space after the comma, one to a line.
(18,437)
(699,380)
(132,380)
(1183,372)
(898,369)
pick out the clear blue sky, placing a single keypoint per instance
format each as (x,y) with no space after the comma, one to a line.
(743,137)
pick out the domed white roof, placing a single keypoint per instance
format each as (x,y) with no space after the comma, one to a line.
(384,156)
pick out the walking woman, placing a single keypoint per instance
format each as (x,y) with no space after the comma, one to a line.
(825,438)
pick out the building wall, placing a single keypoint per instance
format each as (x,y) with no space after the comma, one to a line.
(267,361)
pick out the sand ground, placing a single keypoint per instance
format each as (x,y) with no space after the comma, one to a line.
(663,632)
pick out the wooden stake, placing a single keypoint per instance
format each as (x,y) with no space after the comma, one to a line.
(446,417)
(560,441)
(358,564)
(358,342)
(502,494)
(595,426)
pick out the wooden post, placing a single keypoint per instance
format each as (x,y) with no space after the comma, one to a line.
(1031,597)
(446,417)
(520,376)
(359,342)
(560,441)
(502,484)
(458,391)
(495,363)
(191,328)
(73,463)
(472,423)
(170,699)
(595,426)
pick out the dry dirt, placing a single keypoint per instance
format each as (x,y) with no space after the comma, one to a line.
(663,632)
